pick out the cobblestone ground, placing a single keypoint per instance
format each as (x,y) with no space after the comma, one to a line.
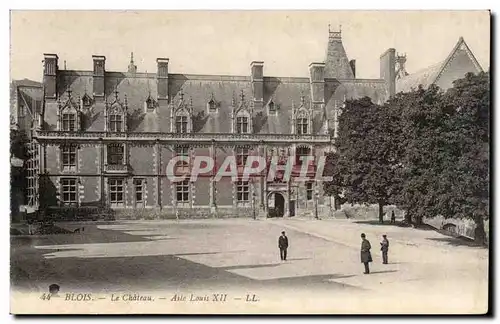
(425,267)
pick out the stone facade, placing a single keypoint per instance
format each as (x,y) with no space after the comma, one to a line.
(104,139)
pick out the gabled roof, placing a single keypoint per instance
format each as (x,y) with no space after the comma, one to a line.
(26,83)
(431,75)
(336,62)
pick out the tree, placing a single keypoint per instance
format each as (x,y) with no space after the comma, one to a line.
(366,163)
(446,151)
(464,189)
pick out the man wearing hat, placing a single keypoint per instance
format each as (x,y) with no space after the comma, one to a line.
(384,247)
(366,256)
(283,245)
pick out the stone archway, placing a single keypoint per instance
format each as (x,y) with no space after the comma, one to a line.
(278,207)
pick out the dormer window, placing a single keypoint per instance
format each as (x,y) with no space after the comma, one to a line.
(181,124)
(115,115)
(272,108)
(69,122)
(68,114)
(86,101)
(212,106)
(150,105)
(242,125)
(115,123)
(302,126)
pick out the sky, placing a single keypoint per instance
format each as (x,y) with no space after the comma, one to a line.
(226,42)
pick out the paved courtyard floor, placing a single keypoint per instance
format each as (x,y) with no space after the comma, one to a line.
(427,271)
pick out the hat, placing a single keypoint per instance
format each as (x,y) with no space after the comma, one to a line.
(283,232)
(363,235)
(384,235)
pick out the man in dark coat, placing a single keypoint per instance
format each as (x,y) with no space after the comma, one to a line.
(366,256)
(283,245)
(384,247)
(393,217)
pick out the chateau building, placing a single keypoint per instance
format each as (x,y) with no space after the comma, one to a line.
(103,139)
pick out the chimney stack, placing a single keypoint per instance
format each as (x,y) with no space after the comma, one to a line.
(388,69)
(162,76)
(257,78)
(98,75)
(317,79)
(352,63)
(50,69)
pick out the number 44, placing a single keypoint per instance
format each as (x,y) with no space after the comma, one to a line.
(45,297)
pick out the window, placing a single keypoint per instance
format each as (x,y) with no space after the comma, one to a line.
(68,187)
(116,192)
(212,106)
(181,124)
(182,190)
(150,104)
(139,190)
(68,122)
(302,126)
(272,108)
(302,151)
(86,101)
(69,157)
(241,156)
(242,125)
(115,154)
(242,190)
(22,111)
(182,165)
(115,123)
(309,191)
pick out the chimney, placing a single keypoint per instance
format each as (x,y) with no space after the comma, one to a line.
(162,76)
(98,75)
(388,69)
(317,79)
(257,77)
(50,68)
(352,63)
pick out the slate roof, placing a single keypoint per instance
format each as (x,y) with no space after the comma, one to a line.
(424,77)
(200,89)
(431,74)
(336,61)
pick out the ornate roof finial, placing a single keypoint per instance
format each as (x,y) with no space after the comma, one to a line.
(65,64)
(131,57)
(242,95)
(302,99)
(181,95)
(68,91)
(125,100)
(329,30)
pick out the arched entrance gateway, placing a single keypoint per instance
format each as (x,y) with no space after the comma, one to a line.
(276,203)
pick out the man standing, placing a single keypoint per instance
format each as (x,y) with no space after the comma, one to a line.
(283,245)
(384,247)
(393,218)
(366,256)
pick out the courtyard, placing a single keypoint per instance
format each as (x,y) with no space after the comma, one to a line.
(427,272)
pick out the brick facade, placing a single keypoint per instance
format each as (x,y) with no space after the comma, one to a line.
(128,126)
